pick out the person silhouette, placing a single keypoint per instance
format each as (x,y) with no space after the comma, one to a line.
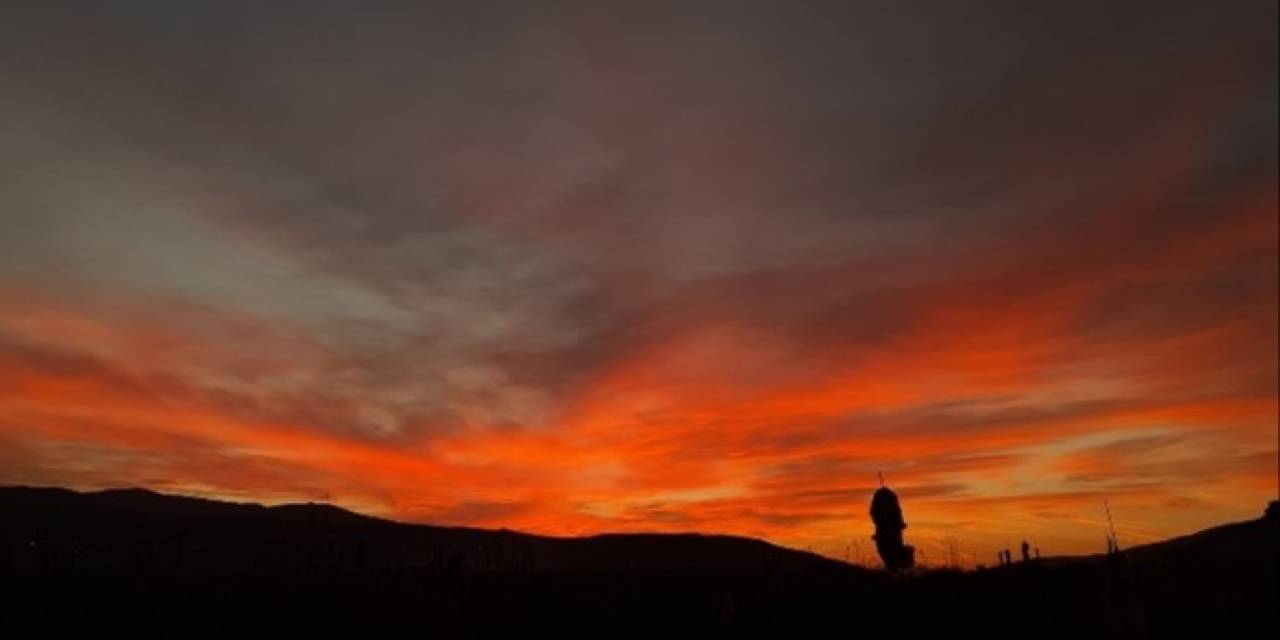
(886,513)
(1026,551)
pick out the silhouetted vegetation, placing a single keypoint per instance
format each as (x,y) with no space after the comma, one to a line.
(133,563)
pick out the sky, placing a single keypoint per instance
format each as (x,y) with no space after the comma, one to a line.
(582,267)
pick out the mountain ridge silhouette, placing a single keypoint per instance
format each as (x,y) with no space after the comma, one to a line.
(605,551)
(147,564)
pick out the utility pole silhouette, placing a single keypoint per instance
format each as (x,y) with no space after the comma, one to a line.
(1113,544)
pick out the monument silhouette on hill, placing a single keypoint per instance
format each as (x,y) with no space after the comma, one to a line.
(886,514)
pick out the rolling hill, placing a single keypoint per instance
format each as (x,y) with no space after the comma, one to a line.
(140,563)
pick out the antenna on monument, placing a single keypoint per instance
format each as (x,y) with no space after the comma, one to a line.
(880,474)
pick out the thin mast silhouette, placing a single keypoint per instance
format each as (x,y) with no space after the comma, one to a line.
(1111,526)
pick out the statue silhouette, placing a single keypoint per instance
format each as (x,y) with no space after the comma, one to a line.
(1026,551)
(886,513)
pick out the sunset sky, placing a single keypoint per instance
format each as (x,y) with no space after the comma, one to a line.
(582,267)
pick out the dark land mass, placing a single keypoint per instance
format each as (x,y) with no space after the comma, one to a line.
(132,563)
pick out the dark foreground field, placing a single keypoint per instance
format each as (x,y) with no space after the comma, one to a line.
(133,563)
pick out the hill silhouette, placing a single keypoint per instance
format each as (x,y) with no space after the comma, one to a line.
(146,564)
(129,529)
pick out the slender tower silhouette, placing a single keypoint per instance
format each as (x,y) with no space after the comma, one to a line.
(1113,544)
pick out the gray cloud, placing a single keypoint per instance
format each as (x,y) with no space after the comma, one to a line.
(463,213)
